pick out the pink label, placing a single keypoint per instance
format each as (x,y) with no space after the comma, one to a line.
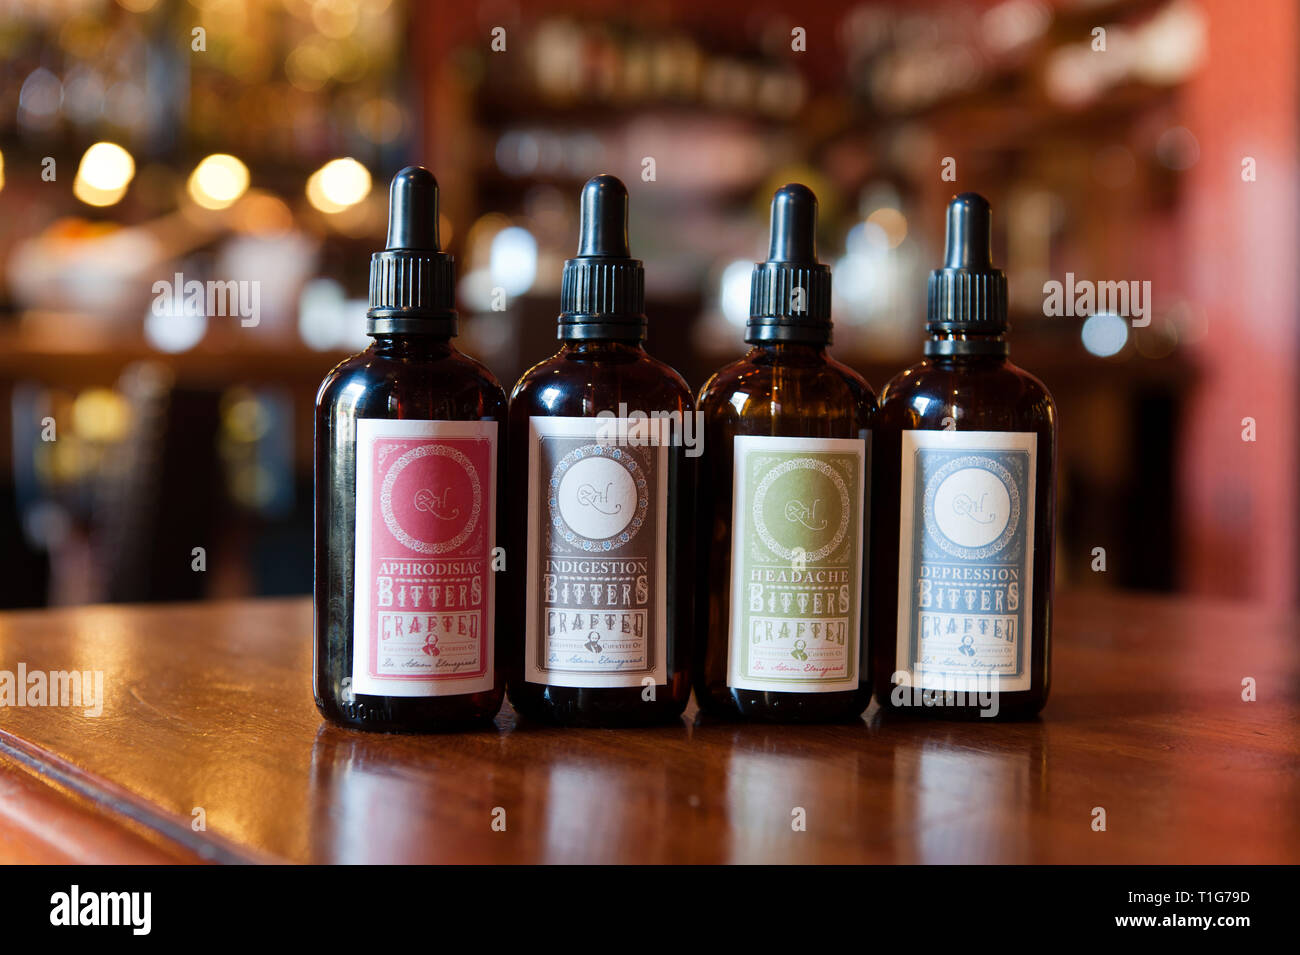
(425,533)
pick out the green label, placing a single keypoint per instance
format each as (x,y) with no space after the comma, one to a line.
(796,564)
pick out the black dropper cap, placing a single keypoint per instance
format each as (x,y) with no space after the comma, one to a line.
(602,294)
(412,282)
(968,295)
(790,293)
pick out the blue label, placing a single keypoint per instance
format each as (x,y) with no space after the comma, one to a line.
(965,570)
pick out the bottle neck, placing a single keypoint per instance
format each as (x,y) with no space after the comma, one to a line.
(603,346)
(787,352)
(413,347)
(962,345)
(783,330)
(617,331)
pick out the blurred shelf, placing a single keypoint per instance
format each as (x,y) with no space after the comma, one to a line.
(84,359)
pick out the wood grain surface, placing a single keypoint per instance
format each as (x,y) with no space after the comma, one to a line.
(208,716)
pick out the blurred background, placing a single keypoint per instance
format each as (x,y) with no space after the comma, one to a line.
(251,141)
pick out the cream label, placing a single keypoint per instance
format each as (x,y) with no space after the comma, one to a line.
(426,525)
(965,569)
(597,561)
(796,564)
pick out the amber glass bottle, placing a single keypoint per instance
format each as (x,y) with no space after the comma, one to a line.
(601,501)
(407,480)
(965,464)
(783,498)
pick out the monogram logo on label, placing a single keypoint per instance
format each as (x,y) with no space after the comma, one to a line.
(436,504)
(598,497)
(799,512)
(405,498)
(813,498)
(972,506)
(964,506)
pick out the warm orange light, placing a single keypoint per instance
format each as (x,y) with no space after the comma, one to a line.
(218,181)
(338,185)
(105,171)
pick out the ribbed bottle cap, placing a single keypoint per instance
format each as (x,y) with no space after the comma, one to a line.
(790,293)
(602,294)
(412,282)
(968,294)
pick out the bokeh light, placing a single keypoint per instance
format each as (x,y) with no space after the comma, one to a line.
(513,260)
(218,181)
(1105,334)
(105,171)
(734,291)
(338,185)
(892,223)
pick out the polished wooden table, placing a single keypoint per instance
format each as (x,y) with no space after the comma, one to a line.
(209,748)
